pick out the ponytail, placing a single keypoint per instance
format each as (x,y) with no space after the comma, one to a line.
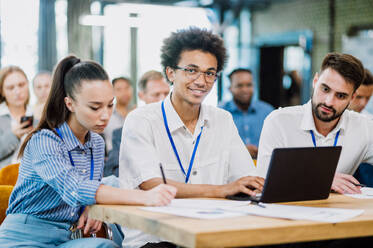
(67,79)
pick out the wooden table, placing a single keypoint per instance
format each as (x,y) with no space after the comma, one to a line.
(244,230)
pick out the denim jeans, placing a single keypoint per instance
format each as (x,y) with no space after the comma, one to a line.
(22,230)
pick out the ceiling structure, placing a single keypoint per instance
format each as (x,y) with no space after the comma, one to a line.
(225,4)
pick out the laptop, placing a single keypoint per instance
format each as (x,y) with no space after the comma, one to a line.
(297,174)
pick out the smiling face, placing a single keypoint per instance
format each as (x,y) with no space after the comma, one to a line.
(331,96)
(192,92)
(15,89)
(93,105)
(242,87)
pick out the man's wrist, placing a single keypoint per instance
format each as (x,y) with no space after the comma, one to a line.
(218,191)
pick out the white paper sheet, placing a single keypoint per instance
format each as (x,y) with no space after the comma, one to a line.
(200,208)
(366,193)
(215,209)
(332,215)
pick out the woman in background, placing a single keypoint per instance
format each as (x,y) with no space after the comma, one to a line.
(62,165)
(14,97)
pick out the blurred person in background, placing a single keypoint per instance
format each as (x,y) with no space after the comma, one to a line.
(14,98)
(152,88)
(364,173)
(123,92)
(363,94)
(41,86)
(248,114)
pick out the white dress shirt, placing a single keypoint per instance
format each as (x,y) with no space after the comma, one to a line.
(290,127)
(367,114)
(221,156)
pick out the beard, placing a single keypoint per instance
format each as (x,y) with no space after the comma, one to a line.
(242,104)
(316,109)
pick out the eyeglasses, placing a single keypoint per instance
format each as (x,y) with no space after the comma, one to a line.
(194,73)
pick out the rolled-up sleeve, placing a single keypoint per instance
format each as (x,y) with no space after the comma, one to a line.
(270,138)
(138,156)
(52,164)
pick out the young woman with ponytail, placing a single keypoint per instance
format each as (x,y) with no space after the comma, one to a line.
(62,165)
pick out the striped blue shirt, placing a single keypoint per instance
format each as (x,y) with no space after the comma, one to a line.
(48,186)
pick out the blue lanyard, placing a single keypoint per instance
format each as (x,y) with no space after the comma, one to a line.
(187,175)
(314,139)
(71,158)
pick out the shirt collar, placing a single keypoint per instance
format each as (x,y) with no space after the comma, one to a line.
(173,119)
(232,107)
(71,141)
(308,122)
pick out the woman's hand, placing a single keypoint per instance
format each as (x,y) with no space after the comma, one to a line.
(160,195)
(19,128)
(89,225)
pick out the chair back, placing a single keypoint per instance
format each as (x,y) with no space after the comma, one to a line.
(5,191)
(9,174)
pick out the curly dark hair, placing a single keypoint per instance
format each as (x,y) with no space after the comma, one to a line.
(192,39)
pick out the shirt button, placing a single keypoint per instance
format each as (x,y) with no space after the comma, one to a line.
(84,171)
(194,173)
(83,152)
(72,213)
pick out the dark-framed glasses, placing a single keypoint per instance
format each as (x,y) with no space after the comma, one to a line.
(194,73)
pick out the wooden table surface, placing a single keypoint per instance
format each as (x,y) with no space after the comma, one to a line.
(243,230)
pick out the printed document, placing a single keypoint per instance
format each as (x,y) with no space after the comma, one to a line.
(366,193)
(215,209)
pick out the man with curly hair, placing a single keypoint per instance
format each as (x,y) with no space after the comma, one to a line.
(198,145)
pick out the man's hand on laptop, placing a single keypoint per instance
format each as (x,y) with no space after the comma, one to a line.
(345,184)
(248,185)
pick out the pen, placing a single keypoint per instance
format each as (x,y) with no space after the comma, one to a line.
(257,204)
(163,176)
(359,184)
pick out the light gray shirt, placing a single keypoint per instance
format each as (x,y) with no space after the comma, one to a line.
(9,142)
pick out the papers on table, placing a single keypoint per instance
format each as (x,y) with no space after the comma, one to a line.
(200,209)
(332,215)
(215,209)
(366,193)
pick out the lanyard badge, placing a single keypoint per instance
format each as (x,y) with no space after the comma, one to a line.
(71,158)
(314,139)
(187,175)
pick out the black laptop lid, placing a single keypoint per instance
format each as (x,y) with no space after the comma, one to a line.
(300,174)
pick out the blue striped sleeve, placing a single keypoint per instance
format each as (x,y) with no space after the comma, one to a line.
(51,162)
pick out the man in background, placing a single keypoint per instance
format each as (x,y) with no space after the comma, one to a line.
(123,92)
(41,84)
(363,94)
(364,173)
(153,87)
(248,114)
